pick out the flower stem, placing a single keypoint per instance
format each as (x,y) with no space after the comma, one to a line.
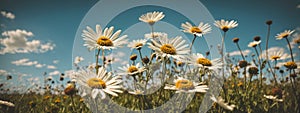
(97,59)
(290,49)
(267,43)
(237,44)
(103,58)
(192,43)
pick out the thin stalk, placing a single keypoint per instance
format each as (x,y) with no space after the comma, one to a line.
(192,43)
(268,62)
(223,65)
(73,104)
(290,49)
(97,59)
(237,44)
(260,67)
(103,57)
(141,56)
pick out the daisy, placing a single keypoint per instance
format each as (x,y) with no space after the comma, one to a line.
(254,43)
(199,60)
(226,25)
(103,40)
(131,69)
(78,59)
(152,17)
(101,83)
(137,44)
(284,34)
(271,97)
(7,103)
(222,103)
(136,92)
(185,85)
(275,54)
(199,30)
(170,47)
(155,35)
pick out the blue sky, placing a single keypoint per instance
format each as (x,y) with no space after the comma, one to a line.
(50,26)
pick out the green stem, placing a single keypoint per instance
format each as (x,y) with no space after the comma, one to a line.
(237,44)
(268,62)
(97,60)
(290,49)
(192,43)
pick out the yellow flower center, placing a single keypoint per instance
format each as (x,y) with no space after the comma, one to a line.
(195,30)
(184,84)
(138,45)
(104,41)
(132,69)
(169,49)
(151,22)
(96,83)
(225,28)
(285,35)
(204,62)
(275,57)
(290,65)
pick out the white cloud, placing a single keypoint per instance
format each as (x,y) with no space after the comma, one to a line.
(24,62)
(39,65)
(3,72)
(51,67)
(54,73)
(55,61)
(16,41)
(8,15)
(298,6)
(235,53)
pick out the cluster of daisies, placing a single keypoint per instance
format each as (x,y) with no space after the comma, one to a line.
(99,81)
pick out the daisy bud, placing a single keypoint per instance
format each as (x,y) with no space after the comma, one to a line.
(269,22)
(243,63)
(290,65)
(235,40)
(145,60)
(253,70)
(133,57)
(70,89)
(256,38)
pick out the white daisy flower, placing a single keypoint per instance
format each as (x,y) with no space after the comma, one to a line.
(7,103)
(78,59)
(271,97)
(103,40)
(284,34)
(185,85)
(137,44)
(199,60)
(254,43)
(131,69)
(222,103)
(152,17)
(275,53)
(155,35)
(226,25)
(101,83)
(170,47)
(199,30)
(136,92)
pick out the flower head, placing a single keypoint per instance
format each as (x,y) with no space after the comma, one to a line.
(103,40)
(199,60)
(137,44)
(284,34)
(78,59)
(199,30)
(101,83)
(152,17)
(226,25)
(185,85)
(254,43)
(166,47)
(131,69)
(155,35)
(222,103)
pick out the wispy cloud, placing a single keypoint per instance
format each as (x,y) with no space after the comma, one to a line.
(235,53)
(54,73)
(8,15)
(3,72)
(51,67)
(298,6)
(16,41)
(55,61)
(24,62)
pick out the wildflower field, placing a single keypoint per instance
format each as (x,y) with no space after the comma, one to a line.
(164,73)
